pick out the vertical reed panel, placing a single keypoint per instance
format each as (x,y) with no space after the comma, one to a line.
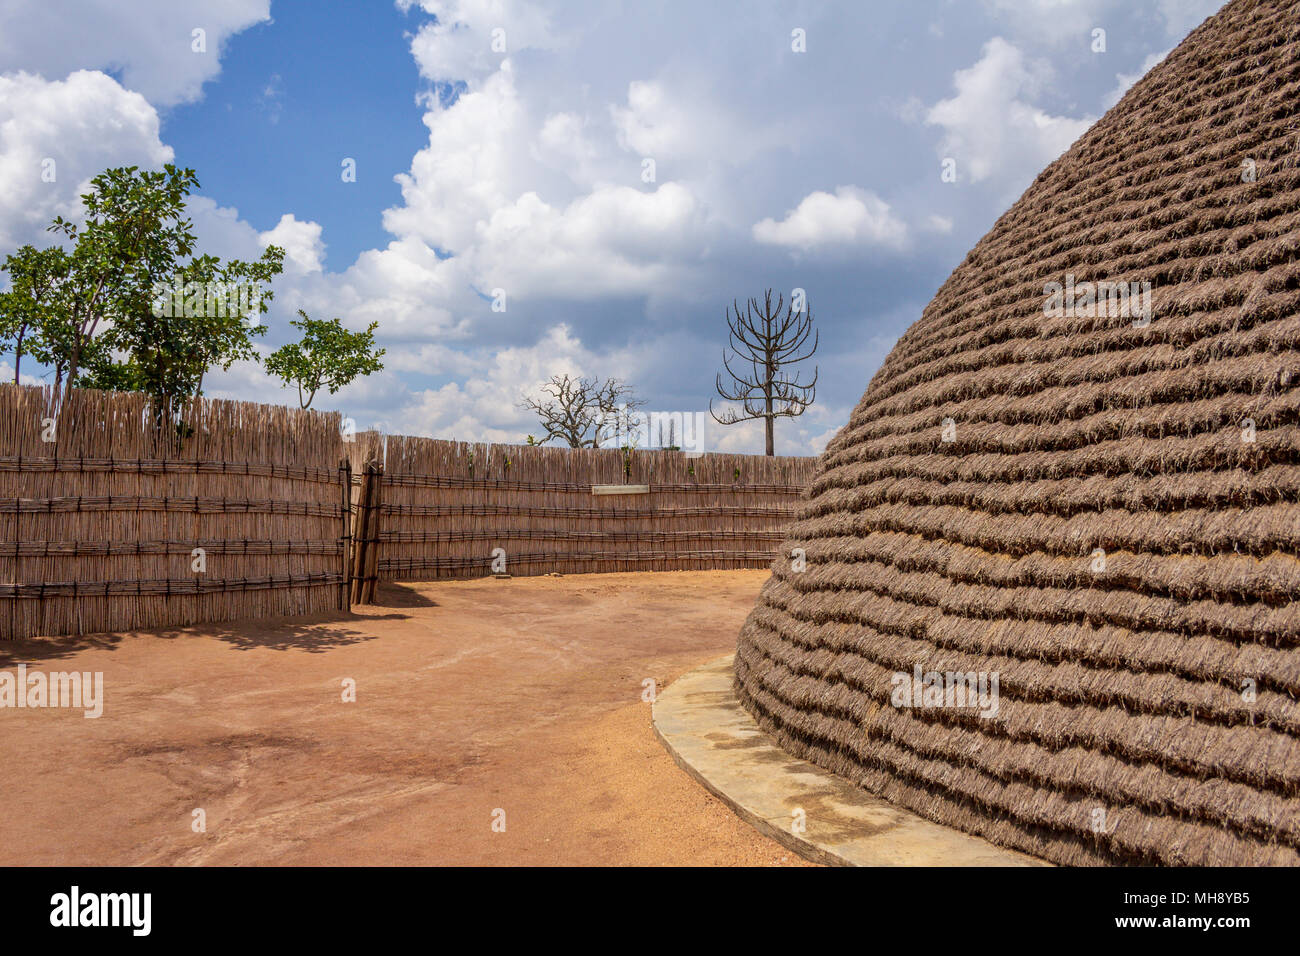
(448,504)
(104,517)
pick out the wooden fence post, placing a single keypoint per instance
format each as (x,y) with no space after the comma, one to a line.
(372,534)
(365,551)
(345,475)
(360,534)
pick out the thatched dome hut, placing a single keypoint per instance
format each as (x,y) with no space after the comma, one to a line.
(1080,515)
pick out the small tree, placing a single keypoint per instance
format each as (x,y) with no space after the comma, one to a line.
(35,276)
(328,356)
(103,316)
(171,345)
(133,236)
(577,410)
(769,342)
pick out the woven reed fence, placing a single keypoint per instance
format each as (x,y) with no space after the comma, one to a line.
(99,526)
(104,519)
(447,505)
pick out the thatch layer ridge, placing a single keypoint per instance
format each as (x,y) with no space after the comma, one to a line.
(1099,508)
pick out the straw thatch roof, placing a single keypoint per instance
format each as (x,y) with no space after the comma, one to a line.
(1103,513)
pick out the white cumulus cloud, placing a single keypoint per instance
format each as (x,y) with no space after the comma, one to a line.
(301,241)
(991,127)
(459,44)
(150,41)
(850,216)
(83,124)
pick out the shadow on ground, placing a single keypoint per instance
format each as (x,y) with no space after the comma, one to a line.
(314,634)
(402,595)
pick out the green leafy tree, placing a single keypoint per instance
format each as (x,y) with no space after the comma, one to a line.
(110,375)
(133,235)
(130,307)
(328,356)
(36,277)
(205,319)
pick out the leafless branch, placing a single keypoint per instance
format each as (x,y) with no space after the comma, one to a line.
(769,341)
(574,410)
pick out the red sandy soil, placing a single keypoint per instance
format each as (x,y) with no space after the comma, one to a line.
(522,695)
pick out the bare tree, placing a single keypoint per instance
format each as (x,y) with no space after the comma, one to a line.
(579,411)
(769,342)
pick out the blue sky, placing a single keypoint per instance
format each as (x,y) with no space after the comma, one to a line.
(522,169)
(295,95)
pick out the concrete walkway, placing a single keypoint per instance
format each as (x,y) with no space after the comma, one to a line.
(713,738)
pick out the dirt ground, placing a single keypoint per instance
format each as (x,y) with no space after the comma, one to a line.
(515,701)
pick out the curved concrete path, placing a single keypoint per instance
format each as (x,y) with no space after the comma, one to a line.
(713,738)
